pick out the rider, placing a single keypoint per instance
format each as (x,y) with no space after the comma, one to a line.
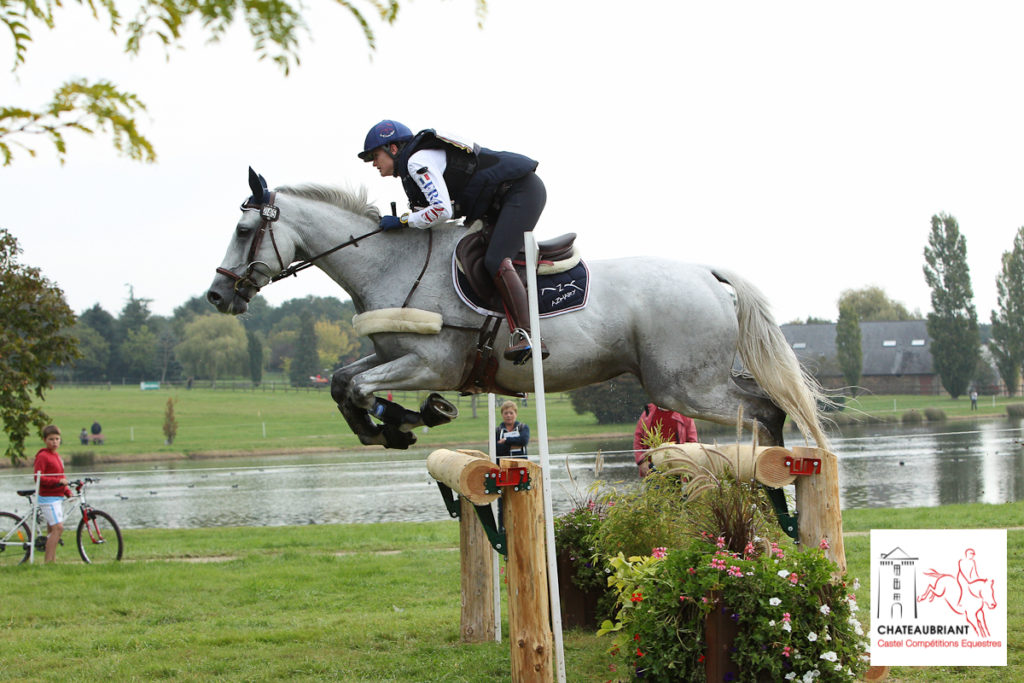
(446,178)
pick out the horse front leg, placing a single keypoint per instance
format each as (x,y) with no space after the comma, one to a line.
(357,417)
(408,372)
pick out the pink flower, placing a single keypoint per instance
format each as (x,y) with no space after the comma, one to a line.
(785,616)
(785,651)
(659,553)
(721,542)
(691,570)
(824,544)
(749,550)
(735,571)
(793,578)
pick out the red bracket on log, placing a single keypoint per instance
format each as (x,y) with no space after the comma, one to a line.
(804,466)
(517,477)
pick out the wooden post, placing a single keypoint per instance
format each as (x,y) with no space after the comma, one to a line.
(817,500)
(528,602)
(477,622)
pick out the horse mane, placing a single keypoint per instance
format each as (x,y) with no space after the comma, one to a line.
(354,201)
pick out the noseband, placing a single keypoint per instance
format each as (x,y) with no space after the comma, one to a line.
(269,215)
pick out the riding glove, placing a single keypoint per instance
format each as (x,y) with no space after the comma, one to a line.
(392,222)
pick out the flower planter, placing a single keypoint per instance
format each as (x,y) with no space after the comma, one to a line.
(720,631)
(579,608)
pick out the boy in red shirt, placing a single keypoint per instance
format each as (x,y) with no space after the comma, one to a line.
(53,488)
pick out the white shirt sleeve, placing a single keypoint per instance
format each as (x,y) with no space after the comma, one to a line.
(427,167)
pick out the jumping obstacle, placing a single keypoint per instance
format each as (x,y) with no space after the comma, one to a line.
(814,471)
(520,485)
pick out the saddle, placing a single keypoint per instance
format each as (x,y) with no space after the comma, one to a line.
(556,255)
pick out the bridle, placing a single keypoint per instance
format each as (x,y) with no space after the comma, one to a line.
(268,216)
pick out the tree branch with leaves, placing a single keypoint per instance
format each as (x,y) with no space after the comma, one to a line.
(276,29)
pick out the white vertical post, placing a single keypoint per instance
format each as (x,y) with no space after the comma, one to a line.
(492,443)
(530,247)
(35,523)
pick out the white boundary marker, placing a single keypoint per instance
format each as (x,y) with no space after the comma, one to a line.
(530,247)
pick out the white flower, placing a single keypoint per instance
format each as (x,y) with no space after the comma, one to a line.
(783,573)
(811,675)
(771,623)
(825,609)
(812,636)
(830,656)
(839,666)
(828,637)
(856,584)
(791,675)
(787,627)
(775,602)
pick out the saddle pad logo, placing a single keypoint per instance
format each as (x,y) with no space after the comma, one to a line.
(938,597)
(557,293)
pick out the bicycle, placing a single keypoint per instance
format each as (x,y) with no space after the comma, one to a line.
(98,536)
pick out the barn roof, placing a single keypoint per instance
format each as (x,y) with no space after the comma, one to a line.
(888,348)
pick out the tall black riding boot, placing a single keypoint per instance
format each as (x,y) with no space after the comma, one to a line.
(513,296)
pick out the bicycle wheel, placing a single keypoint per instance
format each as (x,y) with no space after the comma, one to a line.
(15,539)
(99,538)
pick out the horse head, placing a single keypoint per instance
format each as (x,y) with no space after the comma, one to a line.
(988,596)
(255,255)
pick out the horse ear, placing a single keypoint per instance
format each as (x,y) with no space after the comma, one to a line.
(254,184)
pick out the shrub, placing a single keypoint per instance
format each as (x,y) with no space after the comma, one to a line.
(795,620)
(574,533)
(1015,410)
(636,521)
(912,417)
(935,414)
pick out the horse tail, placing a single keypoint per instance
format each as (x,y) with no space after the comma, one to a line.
(935,574)
(768,357)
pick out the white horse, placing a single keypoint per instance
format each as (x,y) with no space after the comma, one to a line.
(676,326)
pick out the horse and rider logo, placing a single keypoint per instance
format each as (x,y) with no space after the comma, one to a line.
(966,593)
(938,597)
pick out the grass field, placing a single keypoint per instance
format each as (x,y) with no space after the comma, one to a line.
(223,420)
(376,602)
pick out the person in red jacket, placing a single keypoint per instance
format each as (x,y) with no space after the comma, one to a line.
(673,427)
(53,488)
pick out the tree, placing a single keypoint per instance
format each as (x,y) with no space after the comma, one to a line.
(953,322)
(91,365)
(848,350)
(1007,343)
(306,361)
(35,336)
(613,402)
(872,304)
(170,423)
(214,345)
(139,353)
(87,106)
(333,343)
(255,348)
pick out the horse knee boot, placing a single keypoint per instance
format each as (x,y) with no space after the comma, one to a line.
(437,410)
(390,413)
(517,309)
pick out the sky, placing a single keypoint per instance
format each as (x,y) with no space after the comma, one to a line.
(803,145)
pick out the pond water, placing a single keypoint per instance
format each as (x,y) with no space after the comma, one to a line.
(880,466)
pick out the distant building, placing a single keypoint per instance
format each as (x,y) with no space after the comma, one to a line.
(897,356)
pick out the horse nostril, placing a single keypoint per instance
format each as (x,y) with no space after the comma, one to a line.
(213,297)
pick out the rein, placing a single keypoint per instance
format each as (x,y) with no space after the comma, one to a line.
(269,214)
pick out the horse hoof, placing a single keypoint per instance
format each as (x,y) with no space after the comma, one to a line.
(396,438)
(437,410)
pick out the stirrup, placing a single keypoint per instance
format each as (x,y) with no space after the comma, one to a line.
(520,356)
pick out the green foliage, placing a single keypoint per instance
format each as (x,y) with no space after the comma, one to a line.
(935,415)
(848,345)
(255,347)
(170,423)
(873,304)
(1007,343)
(306,362)
(792,615)
(639,519)
(35,326)
(214,345)
(953,322)
(276,29)
(574,540)
(618,400)
(912,417)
